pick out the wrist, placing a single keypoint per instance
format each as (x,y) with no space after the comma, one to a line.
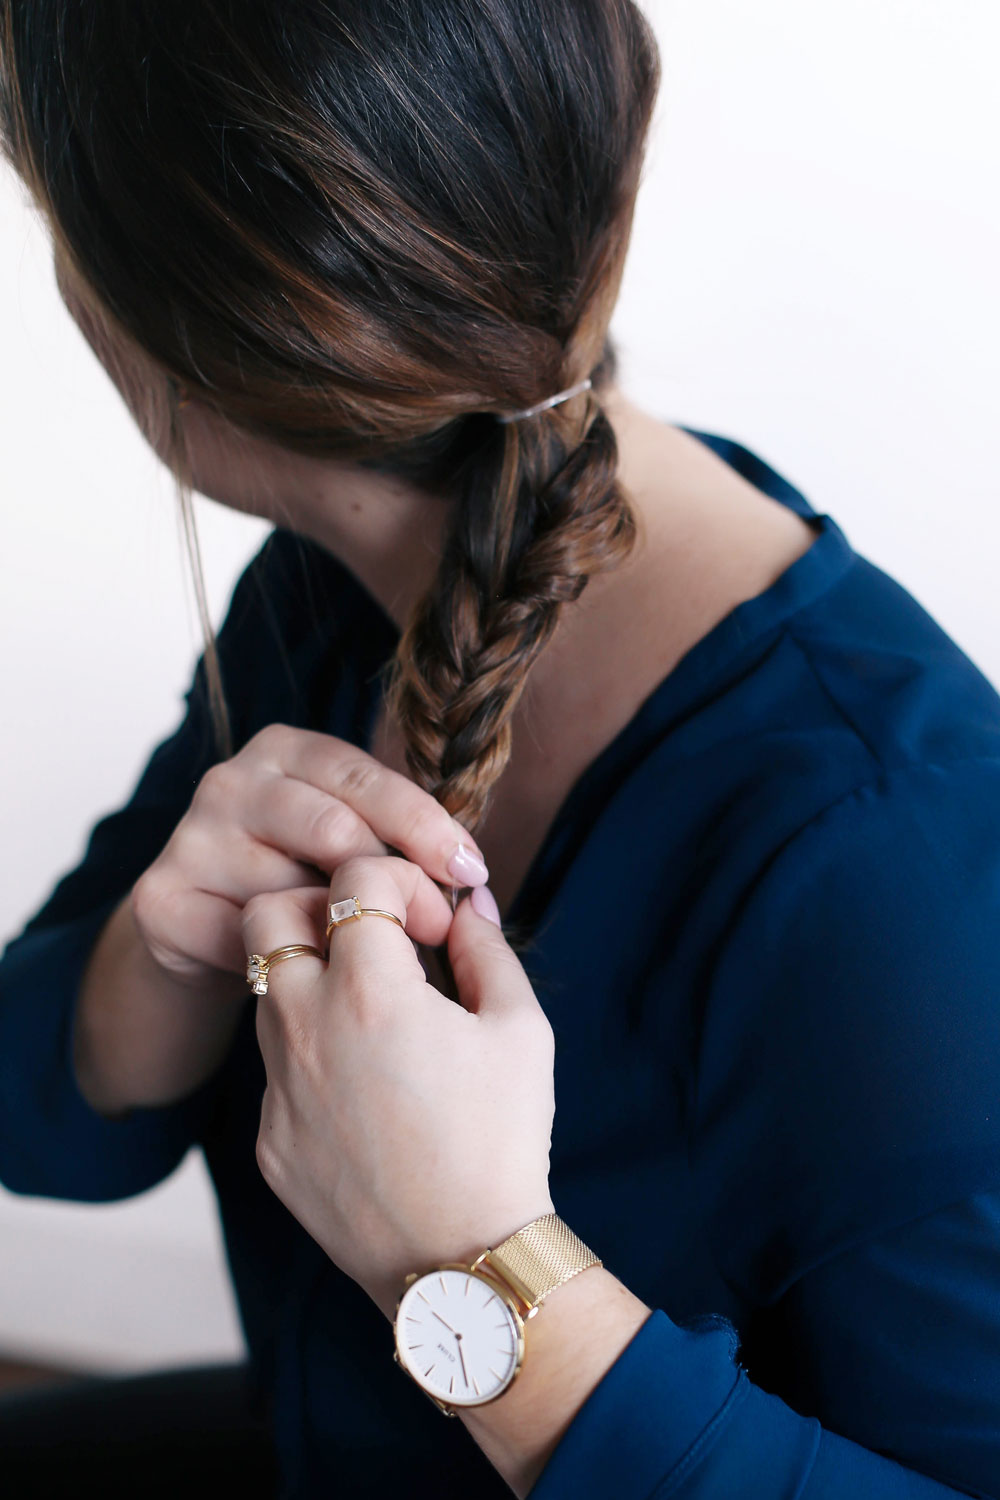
(141,1038)
(463,1249)
(579,1333)
(484,1305)
(515,1339)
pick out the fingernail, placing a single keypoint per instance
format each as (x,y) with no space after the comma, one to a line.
(467,868)
(485,904)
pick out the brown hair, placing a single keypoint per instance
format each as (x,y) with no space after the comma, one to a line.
(361,229)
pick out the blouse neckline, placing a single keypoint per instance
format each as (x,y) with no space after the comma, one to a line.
(812,574)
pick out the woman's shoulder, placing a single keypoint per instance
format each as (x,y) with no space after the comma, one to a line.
(838,644)
(838,754)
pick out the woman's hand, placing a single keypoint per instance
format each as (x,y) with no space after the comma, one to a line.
(165,984)
(283,812)
(400,1128)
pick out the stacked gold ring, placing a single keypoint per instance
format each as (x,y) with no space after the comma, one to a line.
(351,909)
(258,964)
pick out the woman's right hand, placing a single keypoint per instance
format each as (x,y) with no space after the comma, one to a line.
(284,811)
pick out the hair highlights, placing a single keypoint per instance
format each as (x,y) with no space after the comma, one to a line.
(357,228)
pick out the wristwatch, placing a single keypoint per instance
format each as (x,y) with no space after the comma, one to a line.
(459,1329)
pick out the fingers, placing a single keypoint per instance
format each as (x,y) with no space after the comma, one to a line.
(372,944)
(279,919)
(276,920)
(307,823)
(489,976)
(207,925)
(388,884)
(401,814)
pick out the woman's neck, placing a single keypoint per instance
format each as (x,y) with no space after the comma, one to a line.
(391,535)
(388,533)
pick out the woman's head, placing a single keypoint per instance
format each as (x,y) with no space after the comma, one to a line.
(359,229)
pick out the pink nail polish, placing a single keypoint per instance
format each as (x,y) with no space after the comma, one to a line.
(485,904)
(466,868)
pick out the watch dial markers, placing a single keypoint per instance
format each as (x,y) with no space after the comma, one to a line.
(471,1361)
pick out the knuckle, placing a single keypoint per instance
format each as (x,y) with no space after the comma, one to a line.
(151,895)
(271,740)
(506,962)
(424,821)
(289,1028)
(365,996)
(358,777)
(334,828)
(371,1014)
(257,904)
(267,1157)
(218,785)
(537,1031)
(356,866)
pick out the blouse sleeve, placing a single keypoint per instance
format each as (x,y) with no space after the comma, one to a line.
(847,1142)
(52,1143)
(897,1343)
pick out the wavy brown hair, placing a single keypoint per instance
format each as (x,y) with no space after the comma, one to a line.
(362,229)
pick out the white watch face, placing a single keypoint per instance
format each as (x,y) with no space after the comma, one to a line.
(458,1337)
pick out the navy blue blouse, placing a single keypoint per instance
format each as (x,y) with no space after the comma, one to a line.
(777,1067)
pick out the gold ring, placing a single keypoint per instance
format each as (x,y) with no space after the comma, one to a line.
(351,909)
(258,964)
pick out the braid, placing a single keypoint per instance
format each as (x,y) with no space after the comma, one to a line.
(541,512)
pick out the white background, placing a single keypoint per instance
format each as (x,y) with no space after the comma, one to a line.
(813,273)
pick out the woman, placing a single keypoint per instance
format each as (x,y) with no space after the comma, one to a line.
(735,794)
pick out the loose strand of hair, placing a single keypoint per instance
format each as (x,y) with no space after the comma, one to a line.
(179,467)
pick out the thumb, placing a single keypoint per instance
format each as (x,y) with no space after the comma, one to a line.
(488,974)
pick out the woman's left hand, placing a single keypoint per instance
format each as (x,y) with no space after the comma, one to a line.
(401,1129)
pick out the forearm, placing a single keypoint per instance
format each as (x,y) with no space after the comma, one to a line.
(572,1342)
(678,1416)
(142,1038)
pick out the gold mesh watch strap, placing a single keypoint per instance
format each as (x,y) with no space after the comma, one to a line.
(540,1257)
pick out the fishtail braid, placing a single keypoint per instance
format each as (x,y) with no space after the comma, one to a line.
(542,512)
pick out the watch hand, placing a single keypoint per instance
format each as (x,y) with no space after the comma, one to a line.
(462,1358)
(447,1325)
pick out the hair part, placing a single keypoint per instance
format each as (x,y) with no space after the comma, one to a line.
(361,229)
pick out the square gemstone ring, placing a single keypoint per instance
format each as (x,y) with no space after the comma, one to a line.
(344,911)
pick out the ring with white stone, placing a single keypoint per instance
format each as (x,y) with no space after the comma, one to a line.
(349,910)
(258,964)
